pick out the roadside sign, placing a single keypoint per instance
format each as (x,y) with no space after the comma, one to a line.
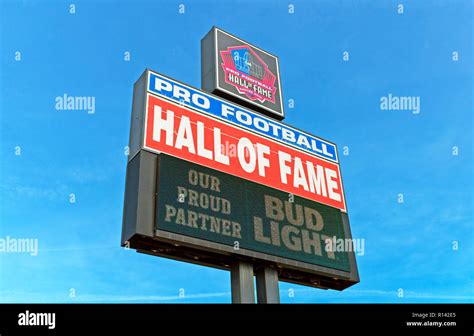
(215,178)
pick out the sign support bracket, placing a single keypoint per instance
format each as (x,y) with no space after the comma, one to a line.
(267,285)
(241,280)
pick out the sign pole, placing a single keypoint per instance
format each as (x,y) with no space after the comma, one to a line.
(267,285)
(241,280)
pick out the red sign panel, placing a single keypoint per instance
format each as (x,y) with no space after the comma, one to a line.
(192,136)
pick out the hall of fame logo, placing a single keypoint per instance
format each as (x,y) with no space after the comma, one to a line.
(248,73)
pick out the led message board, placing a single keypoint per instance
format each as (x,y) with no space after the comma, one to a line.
(184,211)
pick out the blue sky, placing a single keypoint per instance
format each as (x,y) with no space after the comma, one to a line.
(408,245)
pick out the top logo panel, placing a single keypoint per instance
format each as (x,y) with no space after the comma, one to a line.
(242,73)
(248,73)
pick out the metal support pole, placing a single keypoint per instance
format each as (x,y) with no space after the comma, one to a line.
(267,285)
(241,280)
